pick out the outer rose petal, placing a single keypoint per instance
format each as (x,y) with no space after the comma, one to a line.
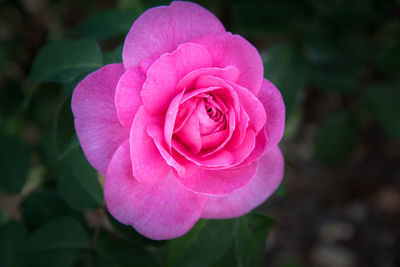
(162,211)
(227,49)
(243,200)
(219,182)
(148,166)
(96,123)
(127,96)
(165,27)
(162,77)
(272,100)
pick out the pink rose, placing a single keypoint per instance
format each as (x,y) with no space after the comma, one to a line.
(185,128)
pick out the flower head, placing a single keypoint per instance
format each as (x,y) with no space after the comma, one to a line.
(186,127)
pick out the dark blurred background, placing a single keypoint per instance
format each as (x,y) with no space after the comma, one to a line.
(337,64)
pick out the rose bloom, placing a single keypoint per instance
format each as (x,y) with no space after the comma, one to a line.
(185,128)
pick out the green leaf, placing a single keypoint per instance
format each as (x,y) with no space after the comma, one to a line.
(269,17)
(285,67)
(129,233)
(203,245)
(281,191)
(336,138)
(64,60)
(89,258)
(64,132)
(12,237)
(216,243)
(107,23)
(345,80)
(122,252)
(114,56)
(384,103)
(78,183)
(42,206)
(58,243)
(14,164)
(252,231)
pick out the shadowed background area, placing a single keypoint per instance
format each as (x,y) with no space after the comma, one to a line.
(337,64)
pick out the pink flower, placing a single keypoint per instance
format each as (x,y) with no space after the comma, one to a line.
(185,128)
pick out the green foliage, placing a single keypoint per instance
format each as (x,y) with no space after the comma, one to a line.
(286,68)
(336,138)
(123,253)
(233,242)
(78,183)
(107,23)
(56,243)
(44,205)
(14,163)
(12,237)
(384,103)
(64,133)
(63,60)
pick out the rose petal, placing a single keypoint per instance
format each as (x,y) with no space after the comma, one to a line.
(272,100)
(166,27)
(229,73)
(259,149)
(170,118)
(148,165)
(253,107)
(179,163)
(227,49)
(219,182)
(243,200)
(161,211)
(162,77)
(127,96)
(96,123)
(189,135)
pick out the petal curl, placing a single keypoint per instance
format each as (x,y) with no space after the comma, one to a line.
(96,123)
(227,49)
(164,210)
(162,77)
(272,100)
(127,96)
(243,200)
(219,182)
(148,166)
(166,27)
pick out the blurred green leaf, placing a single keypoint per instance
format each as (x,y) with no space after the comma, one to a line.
(129,233)
(63,60)
(281,191)
(233,242)
(384,104)
(269,17)
(252,232)
(387,58)
(58,243)
(113,56)
(336,138)
(285,67)
(123,253)
(64,132)
(340,79)
(12,236)
(203,245)
(14,164)
(89,258)
(42,206)
(107,23)
(78,183)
